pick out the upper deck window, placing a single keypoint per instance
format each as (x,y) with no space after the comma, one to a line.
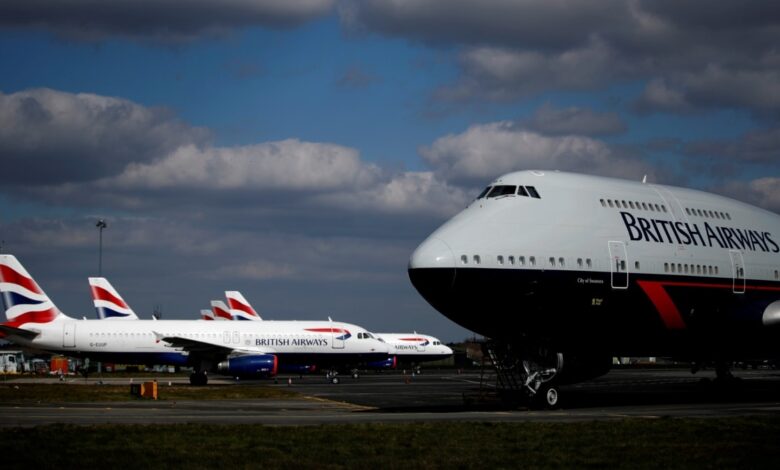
(484,192)
(532,191)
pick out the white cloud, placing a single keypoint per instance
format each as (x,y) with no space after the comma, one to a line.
(485,151)
(287,164)
(405,193)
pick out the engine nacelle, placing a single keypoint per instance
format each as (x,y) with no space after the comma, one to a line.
(258,366)
(389,363)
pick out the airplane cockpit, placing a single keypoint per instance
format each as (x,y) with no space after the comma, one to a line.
(500,190)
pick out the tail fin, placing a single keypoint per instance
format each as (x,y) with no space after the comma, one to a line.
(221,311)
(25,302)
(206,314)
(239,307)
(108,303)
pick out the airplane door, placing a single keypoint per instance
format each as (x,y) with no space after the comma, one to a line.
(737,271)
(618,265)
(69,335)
(338,338)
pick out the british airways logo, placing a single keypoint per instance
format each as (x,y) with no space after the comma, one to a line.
(683,233)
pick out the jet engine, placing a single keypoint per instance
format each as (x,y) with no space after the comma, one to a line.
(255,366)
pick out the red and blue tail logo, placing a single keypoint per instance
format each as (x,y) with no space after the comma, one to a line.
(239,307)
(108,302)
(25,302)
(344,336)
(220,310)
(206,315)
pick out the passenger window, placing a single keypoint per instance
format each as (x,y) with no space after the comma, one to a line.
(512,260)
(532,261)
(464,259)
(500,259)
(477,259)
(502,190)
(552,261)
(579,262)
(631,204)
(666,267)
(610,203)
(622,265)
(561,262)
(636,265)
(603,203)
(521,260)
(588,263)
(687,211)
(532,192)
(522,192)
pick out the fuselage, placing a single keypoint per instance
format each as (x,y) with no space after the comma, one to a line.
(415,347)
(144,341)
(628,268)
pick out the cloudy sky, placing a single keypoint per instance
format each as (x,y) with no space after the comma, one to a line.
(298,151)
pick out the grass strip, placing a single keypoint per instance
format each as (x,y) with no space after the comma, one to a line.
(743,442)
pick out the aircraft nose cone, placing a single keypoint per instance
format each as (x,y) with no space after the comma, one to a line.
(432,253)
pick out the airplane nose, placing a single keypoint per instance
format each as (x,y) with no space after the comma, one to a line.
(432,253)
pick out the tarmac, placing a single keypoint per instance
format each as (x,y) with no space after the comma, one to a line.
(431,396)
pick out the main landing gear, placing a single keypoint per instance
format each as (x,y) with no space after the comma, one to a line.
(526,376)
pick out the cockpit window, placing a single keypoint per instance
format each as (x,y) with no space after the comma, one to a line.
(484,193)
(532,192)
(521,191)
(502,190)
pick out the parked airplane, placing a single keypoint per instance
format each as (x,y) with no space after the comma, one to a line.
(414,348)
(564,271)
(240,308)
(206,314)
(252,349)
(108,303)
(220,310)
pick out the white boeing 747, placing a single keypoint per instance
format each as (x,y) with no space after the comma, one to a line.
(564,271)
(241,349)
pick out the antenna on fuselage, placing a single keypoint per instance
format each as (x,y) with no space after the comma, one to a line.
(644,179)
(157,313)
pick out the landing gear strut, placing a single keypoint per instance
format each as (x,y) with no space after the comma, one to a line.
(529,375)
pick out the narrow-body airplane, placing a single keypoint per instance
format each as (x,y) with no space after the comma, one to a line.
(248,349)
(564,271)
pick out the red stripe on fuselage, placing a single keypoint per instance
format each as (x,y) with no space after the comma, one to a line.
(656,291)
(664,304)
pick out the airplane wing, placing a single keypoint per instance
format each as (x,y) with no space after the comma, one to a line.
(8,330)
(202,348)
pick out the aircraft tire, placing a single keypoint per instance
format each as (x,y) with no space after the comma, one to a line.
(548,397)
(334,380)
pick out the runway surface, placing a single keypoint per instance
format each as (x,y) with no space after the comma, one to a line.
(432,396)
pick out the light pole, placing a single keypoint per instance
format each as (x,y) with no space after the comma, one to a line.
(101,224)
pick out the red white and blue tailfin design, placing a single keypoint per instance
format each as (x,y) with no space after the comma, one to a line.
(221,311)
(206,314)
(108,303)
(239,307)
(24,301)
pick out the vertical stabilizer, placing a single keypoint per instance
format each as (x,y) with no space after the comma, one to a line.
(240,307)
(221,311)
(23,299)
(108,303)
